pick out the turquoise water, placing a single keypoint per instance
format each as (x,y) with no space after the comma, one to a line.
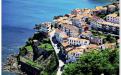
(20,16)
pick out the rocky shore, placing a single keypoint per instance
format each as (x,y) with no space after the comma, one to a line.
(12,65)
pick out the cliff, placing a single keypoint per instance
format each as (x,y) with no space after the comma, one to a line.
(36,57)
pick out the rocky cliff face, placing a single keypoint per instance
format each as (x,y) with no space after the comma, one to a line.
(41,59)
(37,57)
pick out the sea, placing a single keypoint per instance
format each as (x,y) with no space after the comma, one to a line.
(20,16)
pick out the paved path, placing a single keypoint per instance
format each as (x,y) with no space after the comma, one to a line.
(61,63)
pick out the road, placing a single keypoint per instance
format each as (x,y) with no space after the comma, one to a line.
(61,63)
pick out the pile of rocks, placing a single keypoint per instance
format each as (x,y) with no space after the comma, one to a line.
(12,65)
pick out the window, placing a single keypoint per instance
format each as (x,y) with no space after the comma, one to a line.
(47,27)
(78,55)
(70,40)
(85,42)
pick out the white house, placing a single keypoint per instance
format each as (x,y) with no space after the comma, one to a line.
(111,8)
(46,26)
(82,11)
(101,9)
(60,36)
(86,34)
(102,46)
(96,40)
(69,29)
(112,18)
(110,27)
(77,41)
(94,22)
(101,25)
(74,53)
(66,26)
(79,20)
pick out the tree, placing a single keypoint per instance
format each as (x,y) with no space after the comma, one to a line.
(95,63)
(110,38)
(104,40)
(23,51)
(71,69)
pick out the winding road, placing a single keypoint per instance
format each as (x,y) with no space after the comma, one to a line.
(61,63)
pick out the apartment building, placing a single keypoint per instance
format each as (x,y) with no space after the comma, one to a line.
(114,18)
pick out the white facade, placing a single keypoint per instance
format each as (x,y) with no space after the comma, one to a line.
(77,41)
(74,53)
(87,34)
(112,18)
(71,58)
(82,11)
(111,8)
(101,9)
(46,27)
(60,36)
(96,40)
(70,30)
(102,46)
(77,22)
(94,24)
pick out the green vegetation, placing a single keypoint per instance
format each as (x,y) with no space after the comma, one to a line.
(51,66)
(117,12)
(29,48)
(95,63)
(101,15)
(26,48)
(110,39)
(47,62)
(46,44)
(29,62)
(107,37)
(98,33)
(46,40)
(23,51)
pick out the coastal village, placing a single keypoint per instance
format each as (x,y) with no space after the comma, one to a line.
(68,37)
(84,30)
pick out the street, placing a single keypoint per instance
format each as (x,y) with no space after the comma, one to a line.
(61,63)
